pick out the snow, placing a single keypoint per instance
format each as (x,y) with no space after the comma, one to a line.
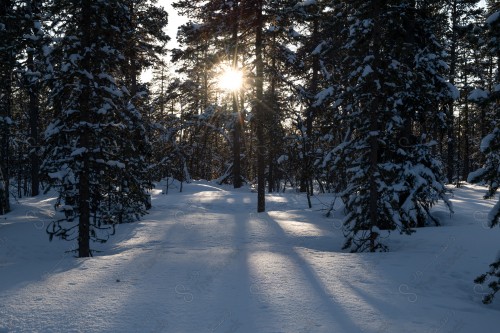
(491,216)
(323,95)
(477,95)
(79,151)
(306,3)
(493,18)
(6,120)
(367,70)
(486,142)
(476,174)
(454,92)
(74,58)
(204,261)
(318,48)
(46,50)
(106,76)
(117,164)
(113,91)
(282,159)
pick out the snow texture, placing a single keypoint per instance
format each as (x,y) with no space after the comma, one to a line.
(477,95)
(454,92)
(367,70)
(322,96)
(204,261)
(493,18)
(306,3)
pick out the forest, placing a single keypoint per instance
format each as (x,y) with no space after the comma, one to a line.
(387,105)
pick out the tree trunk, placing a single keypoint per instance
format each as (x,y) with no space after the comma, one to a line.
(133,58)
(84,174)
(450,170)
(6,70)
(3,189)
(306,179)
(33,122)
(373,140)
(236,144)
(6,105)
(238,118)
(84,208)
(259,111)
(466,139)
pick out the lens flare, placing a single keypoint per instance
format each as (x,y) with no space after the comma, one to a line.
(231,79)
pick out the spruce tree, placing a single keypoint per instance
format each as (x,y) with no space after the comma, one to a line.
(94,145)
(10,36)
(393,96)
(490,146)
(36,41)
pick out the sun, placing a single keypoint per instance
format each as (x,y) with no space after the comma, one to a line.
(230,79)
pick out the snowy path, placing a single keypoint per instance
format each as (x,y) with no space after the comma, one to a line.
(203,261)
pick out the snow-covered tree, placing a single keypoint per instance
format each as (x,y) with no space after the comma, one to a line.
(36,40)
(307,25)
(391,102)
(460,13)
(490,145)
(10,36)
(95,144)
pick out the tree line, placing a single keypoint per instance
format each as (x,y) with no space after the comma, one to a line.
(381,102)
(74,112)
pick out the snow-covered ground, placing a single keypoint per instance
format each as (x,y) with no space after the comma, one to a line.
(204,261)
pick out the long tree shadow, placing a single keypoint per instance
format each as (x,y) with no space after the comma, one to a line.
(328,299)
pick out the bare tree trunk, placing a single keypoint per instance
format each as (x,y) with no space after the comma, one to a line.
(133,58)
(3,194)
(374,146)
(5,147)
(34,137)
(259,111)
(450,170)
(6,70)
(84,176)
(238,119)
(33,91)
(236,144)
(307,172)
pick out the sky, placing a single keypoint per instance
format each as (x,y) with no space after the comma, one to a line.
(174,21)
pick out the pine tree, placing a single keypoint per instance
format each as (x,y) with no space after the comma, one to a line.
(393,69)
(490,145)
(313,19)
(461,12)
(21,56)
(10,36)
(218,36)
(36,41)
(94,145)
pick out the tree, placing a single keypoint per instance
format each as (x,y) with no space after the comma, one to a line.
(392,99)
(33,77)
(94,145)
(219,37)
(461,13)
(259,106)
(9,46)
(490,145)
(21,56)
(306,24)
